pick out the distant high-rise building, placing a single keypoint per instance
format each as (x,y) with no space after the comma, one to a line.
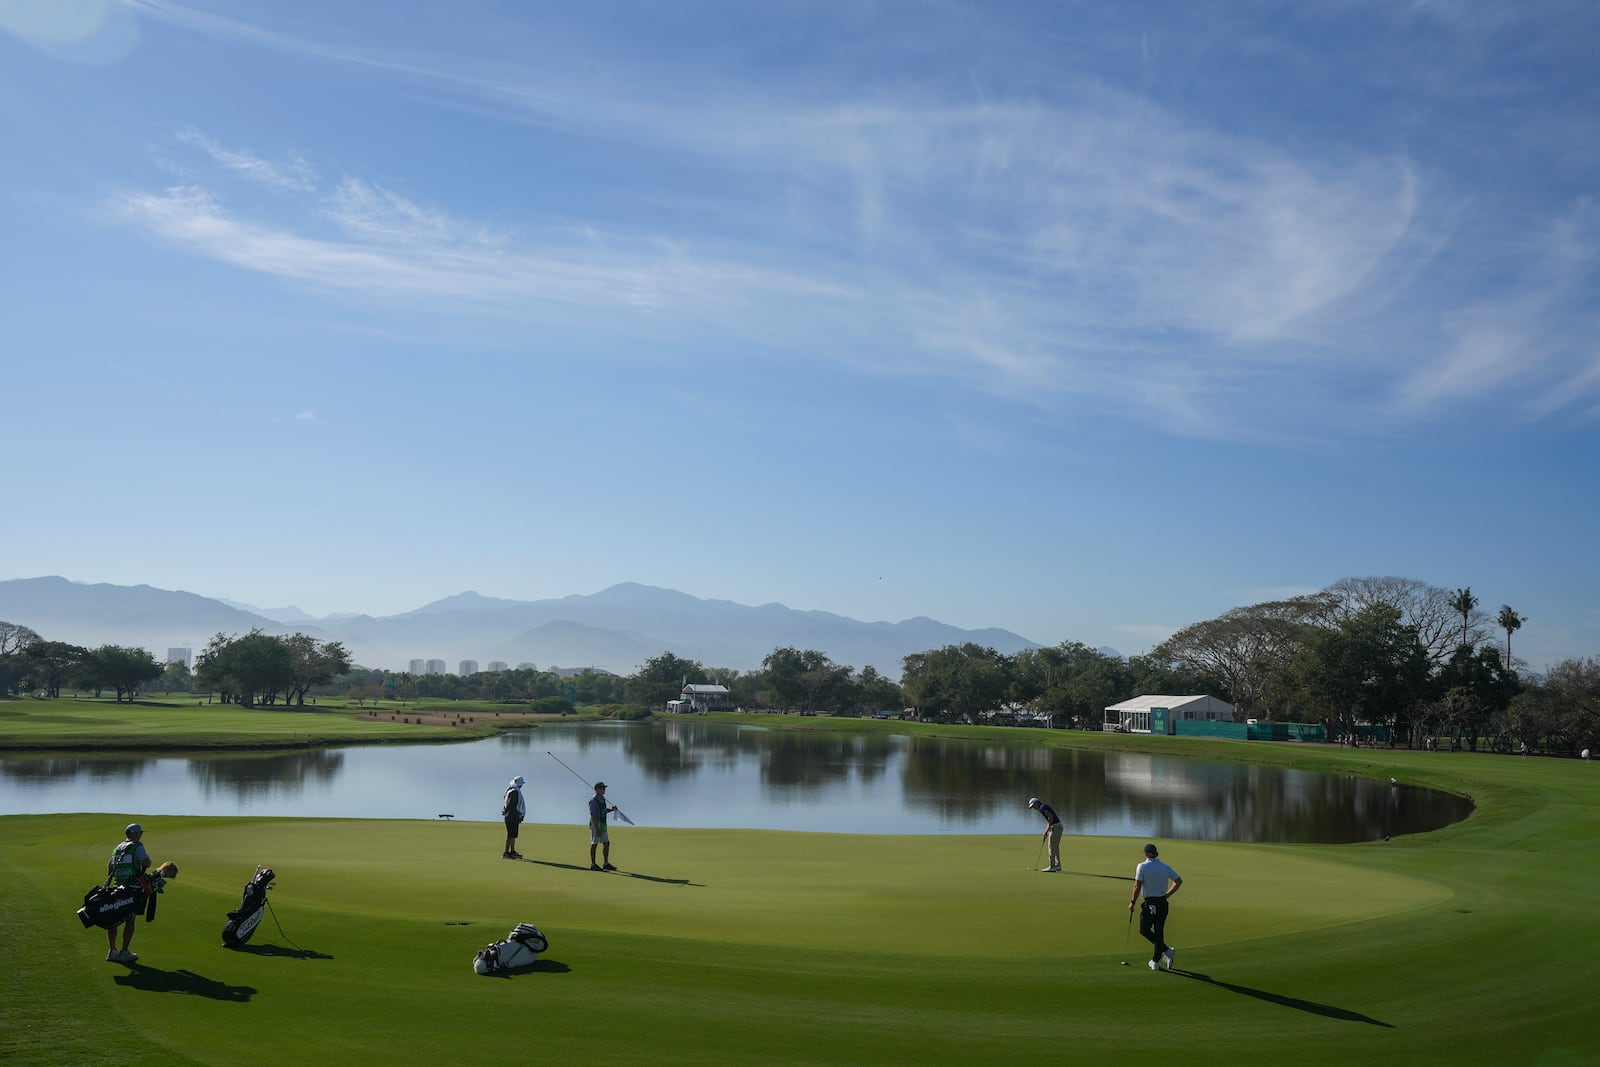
(184,656)
(496,665)
(526,665)
(418,666)
(434,666)
(468,667)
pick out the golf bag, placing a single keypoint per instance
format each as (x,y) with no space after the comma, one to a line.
(244,919)
(520,948)
(109,906)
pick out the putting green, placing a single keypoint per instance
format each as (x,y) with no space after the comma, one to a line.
(927,896)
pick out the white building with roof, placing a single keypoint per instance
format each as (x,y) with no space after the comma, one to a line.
(1160,714)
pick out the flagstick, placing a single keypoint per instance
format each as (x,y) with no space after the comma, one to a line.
(586,782)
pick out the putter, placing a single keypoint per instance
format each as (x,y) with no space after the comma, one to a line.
(1036,859)
(1125,938)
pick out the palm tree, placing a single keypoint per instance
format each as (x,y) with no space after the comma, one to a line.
(1509,622)
(1464,602)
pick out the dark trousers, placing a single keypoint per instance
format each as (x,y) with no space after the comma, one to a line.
(1153,924)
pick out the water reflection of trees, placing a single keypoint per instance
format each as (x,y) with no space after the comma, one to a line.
(97,770)
(248,776)
(675,750)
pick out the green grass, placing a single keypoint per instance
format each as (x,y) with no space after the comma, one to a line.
(183,721)
(1469,945)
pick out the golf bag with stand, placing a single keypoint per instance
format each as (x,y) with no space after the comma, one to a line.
(109,906)
(520,948)
(244,919)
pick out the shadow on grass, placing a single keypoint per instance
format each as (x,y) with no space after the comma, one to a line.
(151,980)
(1110,877)
(536,967)
(279,950)
(626,874)
(1326,1010)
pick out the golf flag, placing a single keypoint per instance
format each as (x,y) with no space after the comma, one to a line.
(623,817)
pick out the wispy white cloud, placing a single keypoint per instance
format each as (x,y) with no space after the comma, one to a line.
(294,174)
(1089,247)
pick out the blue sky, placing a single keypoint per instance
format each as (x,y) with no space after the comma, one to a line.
(1088,321)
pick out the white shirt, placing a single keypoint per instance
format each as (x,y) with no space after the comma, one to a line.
(1153,876)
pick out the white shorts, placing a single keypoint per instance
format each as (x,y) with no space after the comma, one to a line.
(599,837)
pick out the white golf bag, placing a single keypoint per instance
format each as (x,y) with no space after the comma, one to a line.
(520,948)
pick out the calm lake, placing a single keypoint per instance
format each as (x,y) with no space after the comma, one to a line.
(695,774)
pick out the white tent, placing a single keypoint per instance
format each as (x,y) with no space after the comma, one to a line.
(1133,716)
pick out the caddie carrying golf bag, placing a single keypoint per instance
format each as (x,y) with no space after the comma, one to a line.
(520,948)
(244,919)
(109,906)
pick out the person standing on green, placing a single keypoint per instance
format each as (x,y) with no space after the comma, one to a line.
(598,810)
(1157,882)
(513,809)
(127,865)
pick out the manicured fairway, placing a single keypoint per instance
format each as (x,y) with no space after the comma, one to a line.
(1469,945)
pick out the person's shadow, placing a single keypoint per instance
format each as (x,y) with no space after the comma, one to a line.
(1325,1010)
(625,874)
(152,980)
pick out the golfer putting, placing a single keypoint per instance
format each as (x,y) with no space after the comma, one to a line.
(1052,832)
(1156,882)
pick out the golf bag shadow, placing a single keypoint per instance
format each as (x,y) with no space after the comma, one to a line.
(244,919)
(520,948)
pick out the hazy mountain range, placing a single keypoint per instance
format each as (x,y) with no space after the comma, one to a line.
(616,629)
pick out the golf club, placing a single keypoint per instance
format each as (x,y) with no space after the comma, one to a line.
(1125,938)
(1036,859)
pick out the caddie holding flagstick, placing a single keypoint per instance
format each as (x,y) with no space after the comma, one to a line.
(599,808)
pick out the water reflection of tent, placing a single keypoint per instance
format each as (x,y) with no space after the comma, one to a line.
(1135,716)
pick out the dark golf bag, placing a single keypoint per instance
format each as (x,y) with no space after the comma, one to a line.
(520,948)
(244,919)
(110,906)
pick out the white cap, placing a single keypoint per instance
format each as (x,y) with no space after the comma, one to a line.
(1033,802)
(519,781)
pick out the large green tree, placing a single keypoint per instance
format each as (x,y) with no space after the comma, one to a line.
(1475,689)
(806,680)
(662,678)
(52,662)
(1070,680)
(1428,609)
(956,682)
(312,663)
(14,640)
(249,670)
(1371,668)
(121,668)
(1245,651)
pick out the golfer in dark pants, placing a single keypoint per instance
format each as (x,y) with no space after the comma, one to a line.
(1156,882)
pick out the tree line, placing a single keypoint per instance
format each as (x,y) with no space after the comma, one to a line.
(1422,662)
